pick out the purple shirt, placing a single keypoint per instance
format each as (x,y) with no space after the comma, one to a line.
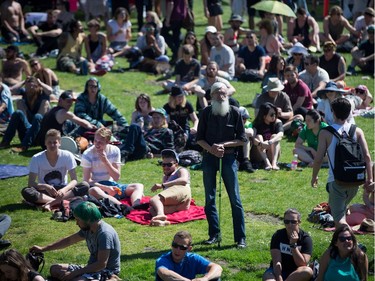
(300,90)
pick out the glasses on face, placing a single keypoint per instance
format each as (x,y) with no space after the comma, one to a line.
(167,164)
(345,238)
(181,247)
(360,91)
(93,86)
(290,221)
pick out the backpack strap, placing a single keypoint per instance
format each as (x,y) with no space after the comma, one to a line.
(352,131)
(333,131)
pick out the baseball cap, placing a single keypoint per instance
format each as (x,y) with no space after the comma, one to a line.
(211,29)
(371,27)
(177,91)
(160,111)
(169,153)
(67,95)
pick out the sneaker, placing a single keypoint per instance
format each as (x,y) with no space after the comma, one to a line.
(241,244)
(351,71)
(4,244)
(246,166)
(19,149)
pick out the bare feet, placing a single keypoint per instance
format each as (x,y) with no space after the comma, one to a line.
(275,167)
(46,208)
(159,223)
(159,217)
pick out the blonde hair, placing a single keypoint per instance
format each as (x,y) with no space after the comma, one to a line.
(172,102)
(104,132)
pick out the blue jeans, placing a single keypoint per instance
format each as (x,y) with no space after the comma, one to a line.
(135,143)
(5,221)
(210,166)
(27,131)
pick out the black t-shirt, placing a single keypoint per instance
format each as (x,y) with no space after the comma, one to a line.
(280,241)
(268,130)
(189,71)
(44,26)
(180,114)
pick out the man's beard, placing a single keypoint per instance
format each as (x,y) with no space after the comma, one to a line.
(220,108)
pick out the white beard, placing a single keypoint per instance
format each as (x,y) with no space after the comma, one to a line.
(220,108)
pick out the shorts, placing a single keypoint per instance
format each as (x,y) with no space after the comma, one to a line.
(95,275)
(122,188)
(65,63)
(283,274)
(31,194)
(177,195)
(339,198)
(215,9)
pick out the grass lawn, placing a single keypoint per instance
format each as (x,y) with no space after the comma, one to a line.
(265,195)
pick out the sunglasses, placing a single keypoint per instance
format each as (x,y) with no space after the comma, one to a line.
(181,247)
(345,238)
(290,221)
(167,164)
(360,91)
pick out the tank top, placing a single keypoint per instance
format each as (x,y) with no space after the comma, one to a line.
(49,122)
(304,31)
(174,176)
(335,30)
(341,269)
(73,47)
(331,66)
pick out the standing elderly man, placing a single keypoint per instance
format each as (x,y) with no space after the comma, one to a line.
(220,131)
(102,242)
(314,76)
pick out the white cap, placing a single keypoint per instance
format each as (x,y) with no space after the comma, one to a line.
(211,29)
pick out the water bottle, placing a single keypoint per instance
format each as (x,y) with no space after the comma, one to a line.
(293,165)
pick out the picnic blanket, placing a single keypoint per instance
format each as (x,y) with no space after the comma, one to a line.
(9,171)
(144,217)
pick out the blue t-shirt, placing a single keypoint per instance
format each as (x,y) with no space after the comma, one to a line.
(340,269)
(251,59)
(189,267)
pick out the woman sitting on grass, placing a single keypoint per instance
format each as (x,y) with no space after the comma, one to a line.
(275,69)
(343,260)
(268,132)
(141,114)
(14,266)
(310,134)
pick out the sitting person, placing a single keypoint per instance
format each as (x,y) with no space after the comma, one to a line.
(251,57)
(332,62)
(291,250)
(187,70)
(244,153)
(95,44)
(281,100)
(141,114)
(62,119)
(310,134)
(275,69)
(6,105)
(119,30)
(190,39)
(327,96)
(181,264)
(181,111)
(14,266)
(298,92)
(363,22)
(13,22)
(139,145)
(70,50)
(206,44)
(268,132)
(304,30)
(358,212)
(13,67)
(101,165)
(27,118)
(47,76)
(268,40)
(176,194)
(363,55)
(343,260)
(48,181)
(333,29)
(297,56)
(47,37)
(233,33)
(91,105)
(102,242)
(5,222)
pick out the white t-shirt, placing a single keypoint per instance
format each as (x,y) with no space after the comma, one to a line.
(312,81)
(54,175)
(222,57)
(325,107)
(115,27)
(91,160)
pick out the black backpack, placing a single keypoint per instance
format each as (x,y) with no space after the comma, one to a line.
(189,158)
(350,166)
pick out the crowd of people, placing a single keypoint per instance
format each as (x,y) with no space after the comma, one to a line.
(305,88)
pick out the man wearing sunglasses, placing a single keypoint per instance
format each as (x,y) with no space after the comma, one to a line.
(176,194)
(291,250)
(181,264)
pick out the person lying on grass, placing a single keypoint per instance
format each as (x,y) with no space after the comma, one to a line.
(176,194)
(48,181)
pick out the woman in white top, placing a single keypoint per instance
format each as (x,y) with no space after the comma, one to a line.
(119,30)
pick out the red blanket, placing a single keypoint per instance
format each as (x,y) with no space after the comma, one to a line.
(144,217)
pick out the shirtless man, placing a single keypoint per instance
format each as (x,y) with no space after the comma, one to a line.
(13,67)
(12,22)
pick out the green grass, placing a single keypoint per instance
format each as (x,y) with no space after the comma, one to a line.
(265,195)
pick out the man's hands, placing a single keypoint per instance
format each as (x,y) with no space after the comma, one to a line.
(217,150)
(293,237)
(156,186)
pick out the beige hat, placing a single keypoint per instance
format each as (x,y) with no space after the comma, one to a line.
(274,84)
(366,226)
